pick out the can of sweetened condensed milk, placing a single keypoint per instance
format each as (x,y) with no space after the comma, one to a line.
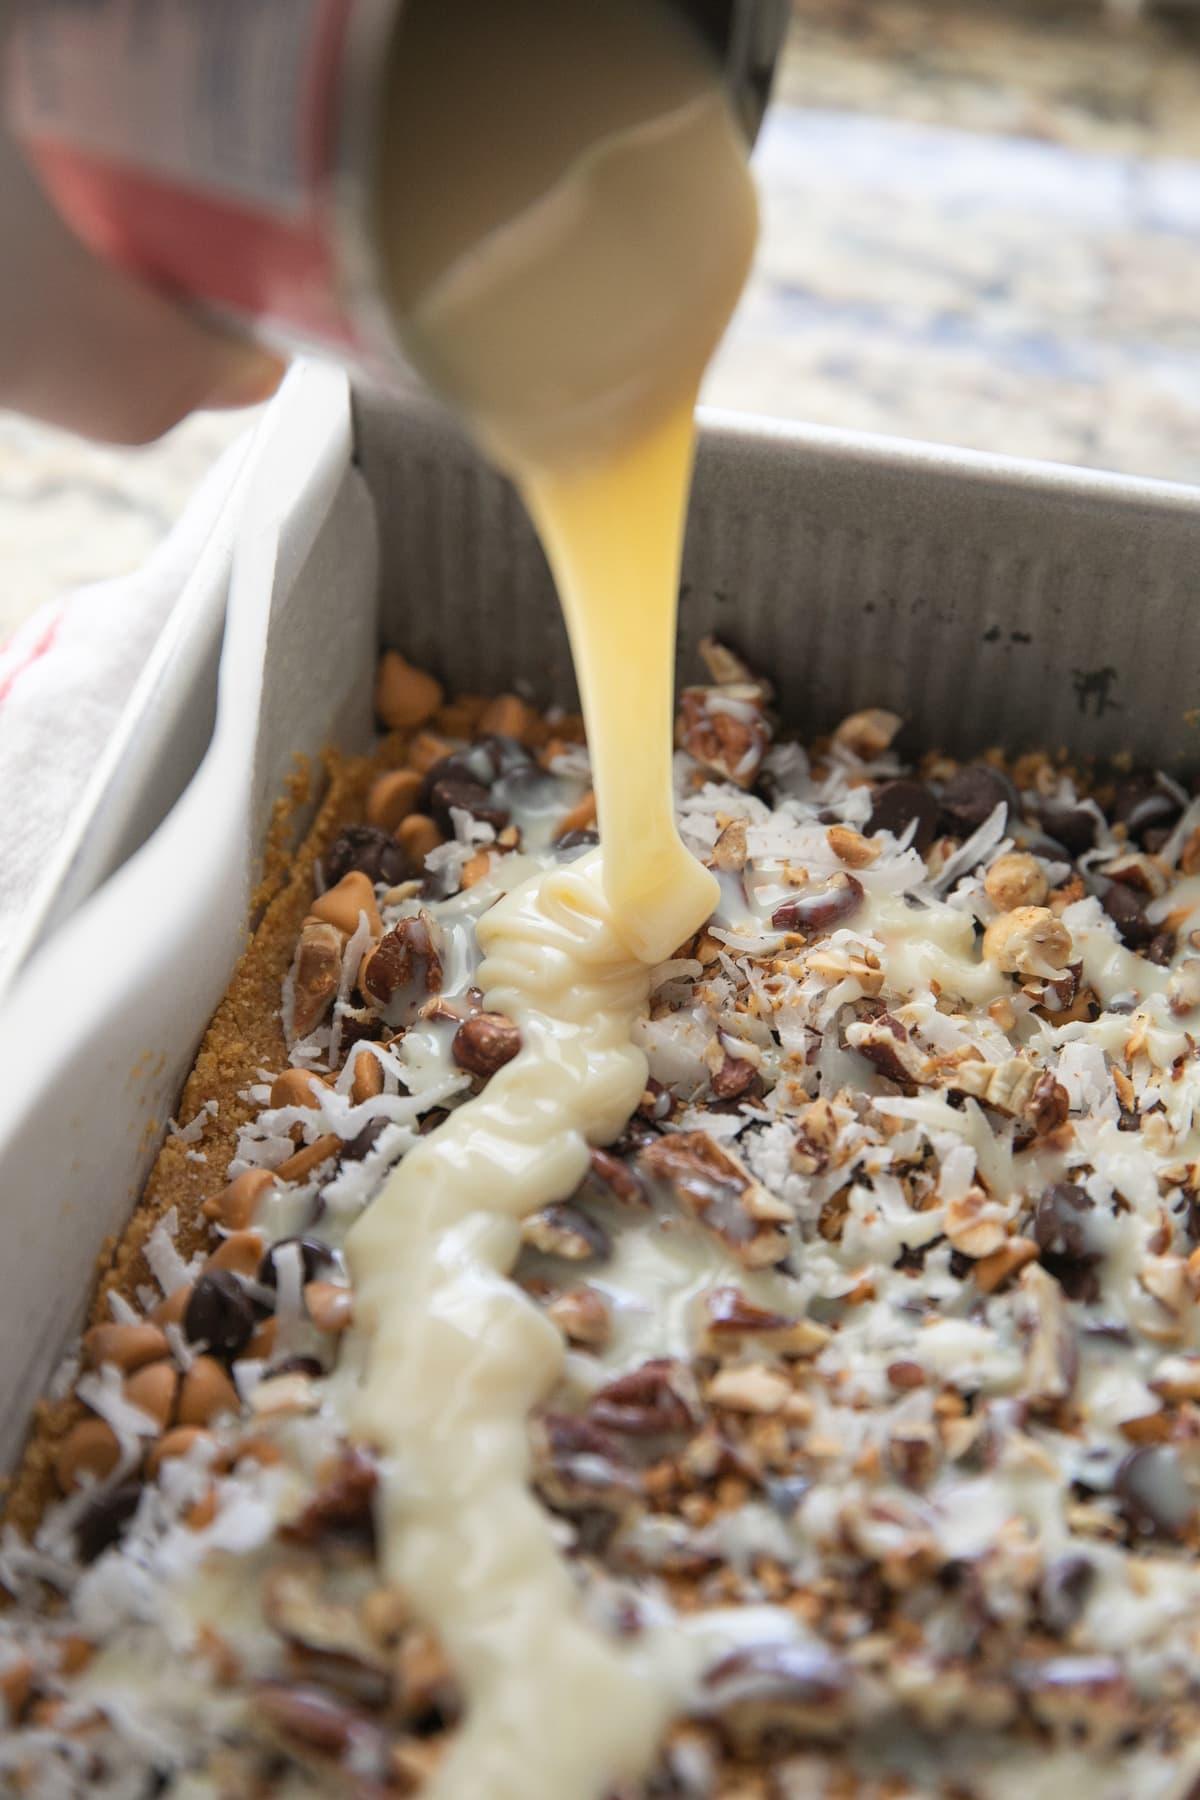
(227,150)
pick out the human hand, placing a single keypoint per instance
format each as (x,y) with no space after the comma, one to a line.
(87,347)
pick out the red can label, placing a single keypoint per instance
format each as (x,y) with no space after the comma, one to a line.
(195,142)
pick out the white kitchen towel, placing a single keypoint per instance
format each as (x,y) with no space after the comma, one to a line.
(65,677)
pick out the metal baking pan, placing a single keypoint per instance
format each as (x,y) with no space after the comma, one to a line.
(988,600)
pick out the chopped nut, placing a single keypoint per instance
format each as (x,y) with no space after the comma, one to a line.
(563,1230)
(885,1042)
(851,847)
(294,1605)
(708,1182)
(367,1081)
(1183,987)
(342,1504)
(1051,1360)
(869,733)
(724,729)
(991,1272)
(838,900)
(771,1693)
(659,1396)
(1016,880)
(485,1042)
(317,971)
(974,1224)
(728,1318)
(729,851)
(749,1388)
(403,969)
(1144,874)
(724,665)
(582,1315)
(1028,941)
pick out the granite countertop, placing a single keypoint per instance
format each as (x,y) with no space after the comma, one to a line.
(981,226)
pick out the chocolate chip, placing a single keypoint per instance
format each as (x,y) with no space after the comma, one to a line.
(1060,1231)
(1161,949)
(367,850)
(314,1255)
(1154,1492)
(104,1518)
(1071,826)
(897,804)
(364,1141)
(463,782)
(220,1314)
(1127,914)
(1141,802)
(972,796)
(1063,1592)
(1058,1220)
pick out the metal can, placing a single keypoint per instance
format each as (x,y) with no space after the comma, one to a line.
(225,149)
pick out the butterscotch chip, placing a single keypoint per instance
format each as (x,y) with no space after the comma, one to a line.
(153,1390)
(405,697)
(509,716)
(427,749)
(180,1441)
(393,798)
(206,1392)
(235,1206)
(89,1449)
(240,1254)
(418,835)
(127,1347)
(343,905)
(297,1167)
(581,816)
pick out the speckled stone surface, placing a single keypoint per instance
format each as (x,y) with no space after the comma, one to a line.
(982,226)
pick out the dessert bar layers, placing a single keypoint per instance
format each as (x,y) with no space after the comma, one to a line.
(862,1425)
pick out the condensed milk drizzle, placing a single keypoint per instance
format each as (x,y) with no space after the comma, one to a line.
(580,228)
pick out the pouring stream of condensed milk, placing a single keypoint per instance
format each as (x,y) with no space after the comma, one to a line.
(570,219)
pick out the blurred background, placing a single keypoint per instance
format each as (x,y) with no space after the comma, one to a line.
(981,226)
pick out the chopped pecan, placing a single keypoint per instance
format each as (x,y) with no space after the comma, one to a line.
(612,1177)
(316,972)
(658,1397)
(749,1388)
(885,1042)
(294,1605)
(310,1718)
(564,1230)
(729,851)
(768,1692)
(402,971)
(342,1504)
(1052,1355)
(485,1042)
(578,1465)
(736,1078)
(725,729)
(1085,1695)
(822,908)
(582,1315)
(711,1184)
(729,1318)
